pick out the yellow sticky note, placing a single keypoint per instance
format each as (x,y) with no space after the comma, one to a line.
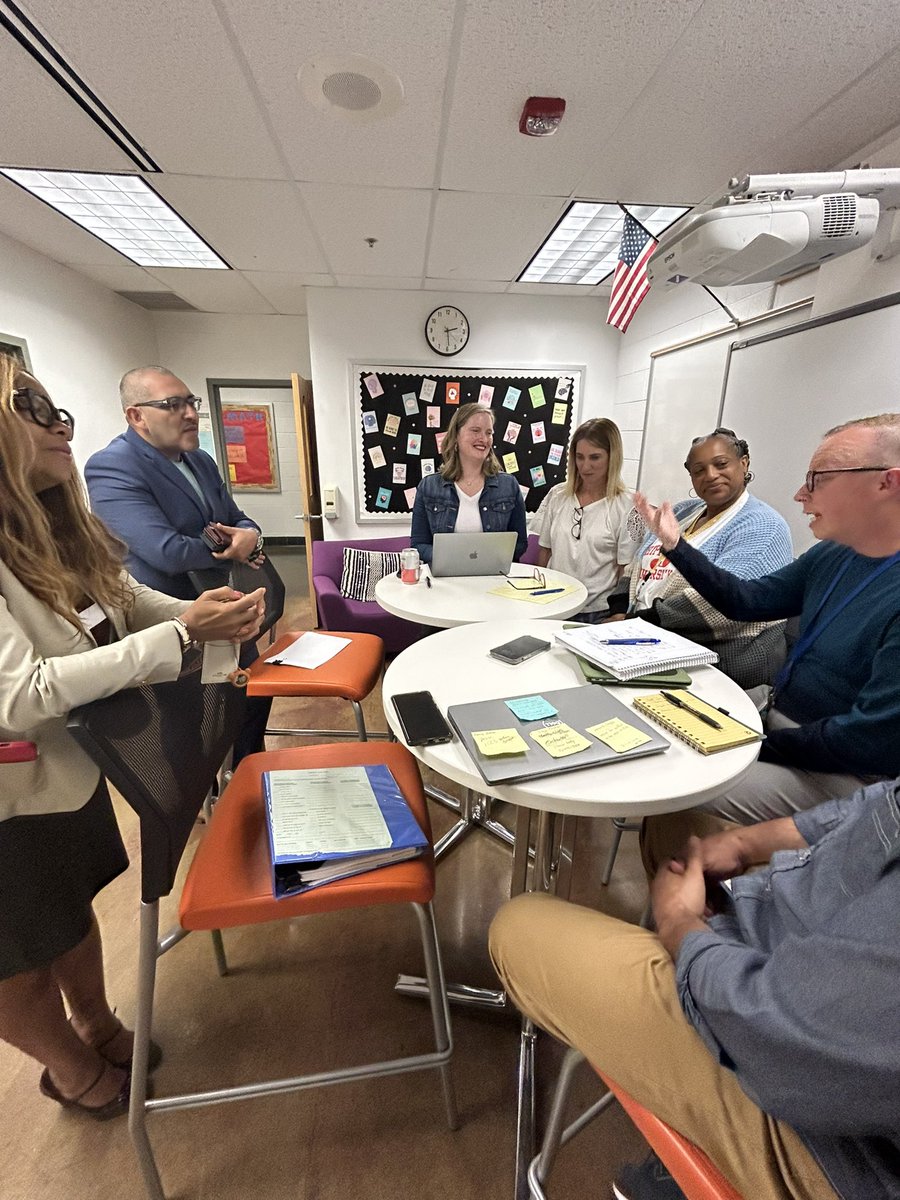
(559,414)
(560,740)
(510,464)
(538,399)
(493,742)
(619,735)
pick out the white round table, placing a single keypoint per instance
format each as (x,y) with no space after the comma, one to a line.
(454,665)
(461,600)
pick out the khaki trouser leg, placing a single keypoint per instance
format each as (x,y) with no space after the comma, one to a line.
(608,988)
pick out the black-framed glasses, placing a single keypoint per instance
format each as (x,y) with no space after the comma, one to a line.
(176,404)
(576,522)
(526,583)
(41,409)
(812,476)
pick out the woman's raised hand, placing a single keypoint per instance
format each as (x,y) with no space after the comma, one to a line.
(225,615)
(661,521)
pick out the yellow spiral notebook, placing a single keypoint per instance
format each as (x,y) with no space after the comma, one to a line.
(678,712)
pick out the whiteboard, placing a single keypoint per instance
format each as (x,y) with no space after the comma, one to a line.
(684,402)
(784,392)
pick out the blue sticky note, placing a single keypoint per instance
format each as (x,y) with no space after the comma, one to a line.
(531,708)
(383,498)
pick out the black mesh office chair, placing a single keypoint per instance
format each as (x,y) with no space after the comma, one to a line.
(247,579)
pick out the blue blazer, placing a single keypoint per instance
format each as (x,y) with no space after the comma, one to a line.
(147,502)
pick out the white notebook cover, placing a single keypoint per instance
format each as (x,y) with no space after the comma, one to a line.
(663,652)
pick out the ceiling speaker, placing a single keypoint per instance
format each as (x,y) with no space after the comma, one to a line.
(351,86)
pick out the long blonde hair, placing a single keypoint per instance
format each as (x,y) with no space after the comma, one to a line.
(604,434)
(50,541)
(452,467)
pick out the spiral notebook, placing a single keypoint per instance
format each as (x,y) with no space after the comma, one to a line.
(635,647)
(690,728)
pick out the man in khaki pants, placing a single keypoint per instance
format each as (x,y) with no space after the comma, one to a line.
(762,1023)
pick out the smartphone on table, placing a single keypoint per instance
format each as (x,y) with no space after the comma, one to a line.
(421,720)
(519,649)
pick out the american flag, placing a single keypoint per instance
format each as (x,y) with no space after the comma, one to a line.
(630,283)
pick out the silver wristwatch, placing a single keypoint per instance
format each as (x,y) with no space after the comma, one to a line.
(186,640)
(257,549)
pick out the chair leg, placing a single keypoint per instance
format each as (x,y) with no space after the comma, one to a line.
(620,825)
(440,1009)
(137,1113)
(219,951)
(360,720)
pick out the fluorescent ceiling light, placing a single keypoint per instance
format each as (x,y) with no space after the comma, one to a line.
(124,212)
(584,245)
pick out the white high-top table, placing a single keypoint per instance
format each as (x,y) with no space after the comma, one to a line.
(455,666)
(461,600)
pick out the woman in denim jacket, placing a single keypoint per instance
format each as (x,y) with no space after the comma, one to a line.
(471,493)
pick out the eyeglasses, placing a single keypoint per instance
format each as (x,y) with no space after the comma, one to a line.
(576,522)
(41,409)
(526,583)
(176,404)
(812,476)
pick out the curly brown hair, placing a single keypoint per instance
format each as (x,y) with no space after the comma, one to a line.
(50,540)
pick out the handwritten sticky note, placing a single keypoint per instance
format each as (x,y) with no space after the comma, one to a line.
(391,425)
(376,454)
(560,412)
(410,403)
(413,443)
(538,432)
(619,735)
(373,386)
(383,499)
(531,708)
(410,497)
(560,740)
(370,422)
(433,416)
(562,389)
(426,391)
(399,475)
(537,476)
(494,742)
(512,432)
(486,394)
(538,399)
(452,393)
(554,455)
(427,467)
(510,464)
(511,399)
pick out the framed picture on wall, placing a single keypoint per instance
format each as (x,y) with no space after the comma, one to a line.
(250,449)
(16,348)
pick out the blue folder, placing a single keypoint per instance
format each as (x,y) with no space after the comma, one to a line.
(320,866)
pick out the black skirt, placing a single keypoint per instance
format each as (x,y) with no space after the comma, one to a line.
(51,868)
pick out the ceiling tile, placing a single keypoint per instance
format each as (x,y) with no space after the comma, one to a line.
(213,291)
(124,277)
(344,217)
(466,285)
(402,284)
(488,237)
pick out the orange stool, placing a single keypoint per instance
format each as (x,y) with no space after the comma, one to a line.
(350,675)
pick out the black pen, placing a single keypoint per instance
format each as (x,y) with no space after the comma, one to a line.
(428,581)
(690,708)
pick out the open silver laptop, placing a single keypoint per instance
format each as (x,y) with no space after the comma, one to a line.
(472,553)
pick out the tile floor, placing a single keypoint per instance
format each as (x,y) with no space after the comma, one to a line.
(304,996)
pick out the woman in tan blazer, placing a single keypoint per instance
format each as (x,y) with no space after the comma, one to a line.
(74,627)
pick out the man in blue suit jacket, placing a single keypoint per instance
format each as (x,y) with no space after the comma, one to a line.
(157,491)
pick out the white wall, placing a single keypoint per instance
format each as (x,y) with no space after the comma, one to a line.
(386,327)
(81,337)
(201,346)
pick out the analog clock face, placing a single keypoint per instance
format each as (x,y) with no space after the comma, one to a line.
(447,330)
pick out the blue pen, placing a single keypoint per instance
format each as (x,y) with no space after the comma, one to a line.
(630,642)
(548,592)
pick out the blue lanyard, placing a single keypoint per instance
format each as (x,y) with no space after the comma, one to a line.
(816,628)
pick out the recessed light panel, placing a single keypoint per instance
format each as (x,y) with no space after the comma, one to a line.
(584,246)
(124,212)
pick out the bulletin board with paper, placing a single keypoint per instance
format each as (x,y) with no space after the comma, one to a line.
(402,416)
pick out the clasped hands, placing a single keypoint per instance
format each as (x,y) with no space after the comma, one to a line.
(680,895)
(226,615)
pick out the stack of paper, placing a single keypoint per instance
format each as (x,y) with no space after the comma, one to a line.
(634,647)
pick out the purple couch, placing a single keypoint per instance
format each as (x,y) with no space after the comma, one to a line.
(365,616)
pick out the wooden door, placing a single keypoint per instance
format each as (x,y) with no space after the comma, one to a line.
(310,501)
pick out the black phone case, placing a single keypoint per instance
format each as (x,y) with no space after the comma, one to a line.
(214,541)
(507,654)
(421,719)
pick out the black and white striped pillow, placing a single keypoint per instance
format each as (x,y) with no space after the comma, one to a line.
(362,570)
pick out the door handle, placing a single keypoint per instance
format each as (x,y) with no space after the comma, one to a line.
(308,517)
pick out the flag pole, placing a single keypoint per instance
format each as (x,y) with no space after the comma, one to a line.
(721,303)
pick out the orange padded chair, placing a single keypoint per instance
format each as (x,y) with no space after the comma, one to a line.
(160,746)
(350,675)
(697,1177)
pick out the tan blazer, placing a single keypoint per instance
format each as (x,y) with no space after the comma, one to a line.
(48,668)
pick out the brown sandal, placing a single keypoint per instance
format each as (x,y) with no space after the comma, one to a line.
(103,1112)
(154,1055)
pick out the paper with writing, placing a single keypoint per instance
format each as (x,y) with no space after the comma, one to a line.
(310,650)
(618,735)
(531,708)
(492,742)
(326,811)
(560,740)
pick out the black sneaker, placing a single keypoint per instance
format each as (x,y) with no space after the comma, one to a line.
(648,1180)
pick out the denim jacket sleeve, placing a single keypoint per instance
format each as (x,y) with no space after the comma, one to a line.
(503,509)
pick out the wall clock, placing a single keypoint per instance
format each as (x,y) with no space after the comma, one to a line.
(447,330)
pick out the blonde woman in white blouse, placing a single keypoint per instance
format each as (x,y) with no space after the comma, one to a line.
(582,524)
